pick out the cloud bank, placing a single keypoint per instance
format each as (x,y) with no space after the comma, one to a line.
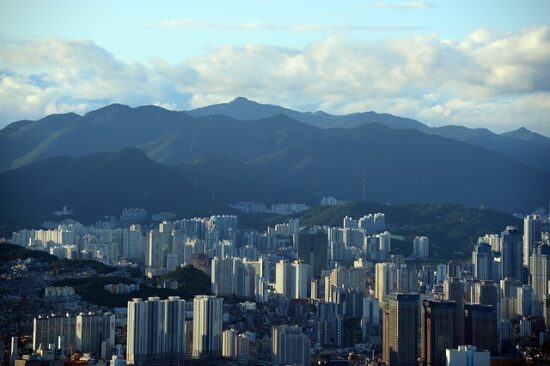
(493,80)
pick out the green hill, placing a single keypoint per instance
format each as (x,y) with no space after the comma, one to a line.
(453,229)
(95,186)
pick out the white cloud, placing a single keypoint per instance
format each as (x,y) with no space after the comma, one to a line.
(499,81)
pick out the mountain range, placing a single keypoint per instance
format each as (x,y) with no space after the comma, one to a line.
(202,160)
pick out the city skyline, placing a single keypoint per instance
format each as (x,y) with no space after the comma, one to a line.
(274,182)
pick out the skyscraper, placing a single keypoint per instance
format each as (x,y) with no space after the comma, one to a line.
(93,329)
(401,324)
(437,331)
(290,346)
(230,276)
(229,349)
(454,291)
(312,248)
(155,249)
(370,321)
(46,331)
(207,326)
(291,279)
(421,247)
(531,236)
(480,327)
(511,258)
(156,330)
(540,271)
(133,244)
(482,260)
(385,279)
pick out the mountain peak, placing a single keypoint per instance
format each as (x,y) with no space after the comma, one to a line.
(525,134)
(522,130)
(242,100)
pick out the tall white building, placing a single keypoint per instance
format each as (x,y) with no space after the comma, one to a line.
(133,244)
(94,329)
(353,278)
(292,279)
(155,249)
(385,279)
(531,236)
(290,346)
(207,326)
(493,240)
(47,330)
(156,330)
(540,271)
(384,242)
(229,349)
(231,276)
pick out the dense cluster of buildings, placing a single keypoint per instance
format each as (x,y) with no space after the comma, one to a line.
(312,293)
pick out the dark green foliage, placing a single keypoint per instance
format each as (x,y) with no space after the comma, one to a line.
(96,280)
(91,290)
(9,252)
(405,166)
(191,281)
(80,265)
(134,272)
(232,181)
(95,186)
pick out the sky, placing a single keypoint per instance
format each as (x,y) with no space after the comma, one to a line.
(472,63)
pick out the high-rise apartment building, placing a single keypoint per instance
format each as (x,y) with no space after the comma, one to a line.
(437,331)
(47,330)
(292,279)
(482,260)
(94,329)
(480,328)
(421,247)
(385,279)
(370,322)
(207,326)
(401,324)
(312,248)
(540,271)
(289,346)
(454,291)
(231,276)
(531,236)
(511,257)
(155,331)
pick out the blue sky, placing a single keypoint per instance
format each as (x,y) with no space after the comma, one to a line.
(74,55)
